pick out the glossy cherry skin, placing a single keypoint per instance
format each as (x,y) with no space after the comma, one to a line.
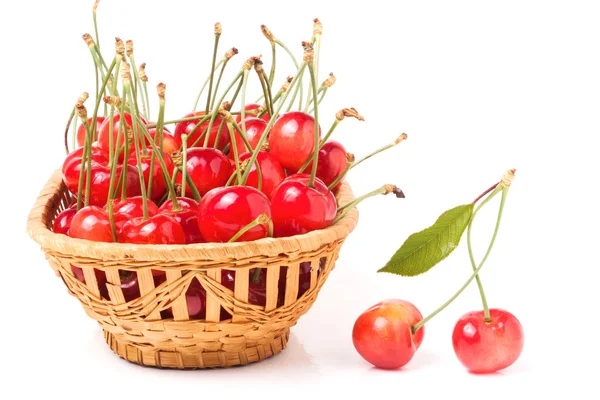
(158,229)
(249,107)
(257,290)
(225,211)
(81,132)
(132,207)
(62,222)
(188,126)
(332,163)
(158,180)
(382,334)
(130,285)
(104,134)
(187,218)
(487,347)
(100,176)
(207,168)
(292,139)
(254,130)
(299,209)
(272,172)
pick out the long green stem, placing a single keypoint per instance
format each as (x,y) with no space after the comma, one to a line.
(398,140)
(96,23)
(212,105)
(158,137)
(212,72)
(384,190)
(236,157)
(184,173)
(315,157)
(284,47)
(214,114)
(340,177)
(323,141)
(273,63)
(486,310)
(417,326)
(69,123)
(323,91)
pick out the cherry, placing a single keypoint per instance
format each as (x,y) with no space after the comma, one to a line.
(188,126)
(257,290)
(158,180)
(299,209)
(254,130)
(91,223)
(485,347)
(250,107)
(383,336)
(130,208)
(130,285)
(82,133)
(187,218)
(158,229)
(100,176)
(292,139)
(104,133)
(196,300)
(272,172)
(207,168)
(62,222)
(225,211)
(332,163)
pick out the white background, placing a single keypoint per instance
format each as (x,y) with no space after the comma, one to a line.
(479,87)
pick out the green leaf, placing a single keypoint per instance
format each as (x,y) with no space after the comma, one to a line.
(423,250)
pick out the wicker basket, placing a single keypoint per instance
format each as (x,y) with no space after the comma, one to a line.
(135,330)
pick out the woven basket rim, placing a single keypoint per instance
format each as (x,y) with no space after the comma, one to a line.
(50,195)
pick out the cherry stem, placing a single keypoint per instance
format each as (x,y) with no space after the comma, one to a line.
(315,157)
(486,309)
(264,82)
(184,173)
(197,126)
(273,63)
(138,81)
(256,276)
(224,64)
(398,140)
(265,133)
(340,177)
(243,106)
(417,326)
(158,136)
(204,85)
(84,155)
(384,190)
(494,186)
(174,121)
(111,219)
(298,66)
(262,219)
(212,72)
(214,114)
(96,23)
(231,178)
(236,157)
(218,137)
(333,126)
(69,121)
(115,156)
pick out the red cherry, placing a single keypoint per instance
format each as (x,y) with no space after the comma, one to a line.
(254,130)
(332,163)
(158,229)
(485,347)
(272,172)
(225,211)
(249,107)
(104,134)
(170,145)
(81,132)
(187,218)
(188,126)
(100,176)
(382,335)
(257,291)
(196,300)
(62,222)
(207,168)
(299,209)
(130,285)
(91,223)
(158,180)
(132,207)
(292,139)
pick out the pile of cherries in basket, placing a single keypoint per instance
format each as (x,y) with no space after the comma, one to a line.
(220,176)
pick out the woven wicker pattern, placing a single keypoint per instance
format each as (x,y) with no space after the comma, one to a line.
(135,329)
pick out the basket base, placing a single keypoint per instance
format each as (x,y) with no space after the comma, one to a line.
(209,359)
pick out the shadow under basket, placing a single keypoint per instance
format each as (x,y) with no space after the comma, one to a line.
(154,328)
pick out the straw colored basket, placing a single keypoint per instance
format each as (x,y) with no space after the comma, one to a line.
(135,330)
